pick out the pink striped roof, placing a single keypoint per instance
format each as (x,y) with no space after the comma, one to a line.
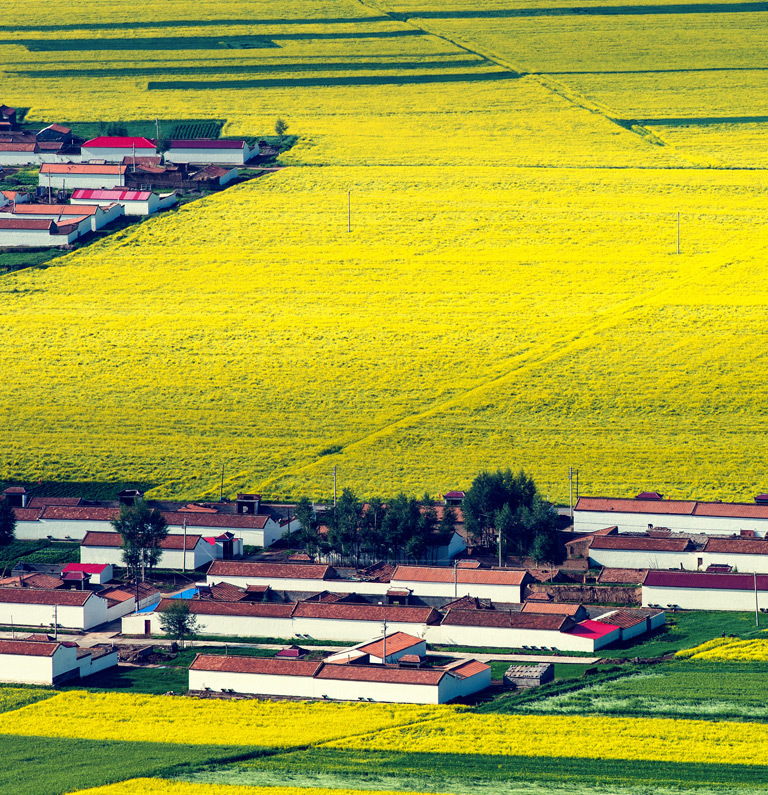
(106,194)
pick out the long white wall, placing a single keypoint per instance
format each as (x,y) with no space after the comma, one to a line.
(498,593)
(72,181)
(304,585)
(234,157)
(115,154)
(25,238)
(590,521)
(91,614)
(703,599)
(506,638)
(23,669)
(643,559)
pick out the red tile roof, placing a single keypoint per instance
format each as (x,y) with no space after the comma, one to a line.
(119,142)
(55,210)
(649,495)
(376,673)
(446,574)
(32,580)
(218,520)
(552,608)
(733,510)
(31,224)
(592,629)
(454,495)
(81,513)
(210,171)
(43,502)
(641,543)
(57,128)
(28,648)
(622,575)
(225,592)
(506,620)
(707,581)
(272,571)
(270,666)
(18,147)
(81,168)
(207,607)
(86,568)
(28,514)
(623,619)
(114,540)
(367,612)
(34,596)
(737,546)
(206,143)
(467,668)
(397,641)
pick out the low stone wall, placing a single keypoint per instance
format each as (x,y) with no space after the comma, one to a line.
(589,594)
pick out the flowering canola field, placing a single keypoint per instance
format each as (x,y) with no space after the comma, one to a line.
(509,292)
(162,787)
(754,650)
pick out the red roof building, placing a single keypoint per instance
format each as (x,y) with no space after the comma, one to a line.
(120,142)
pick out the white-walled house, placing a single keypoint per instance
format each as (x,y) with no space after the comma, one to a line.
(682,516)
(694,590)
(178,551)
(71,176)
(113,148)
(34,662)
(641,552)
(39,232)
(97,573)
(99,215)
(210,150)
(39,607)
(500,585)
(321,680)
(133,202)
(387,649)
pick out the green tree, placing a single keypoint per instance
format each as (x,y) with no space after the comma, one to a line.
(177,621)
(7,523)
(143,529)
(281,128)
(344,533)
(307,533)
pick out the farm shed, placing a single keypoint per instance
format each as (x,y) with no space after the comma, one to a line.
(501,585)
(215,175)
(71,176)
(338,682)
(524,676)
(98,216)
(37,607)
(641,552)
(32,232)
(114,148)
(62,521)
(632,625)
(98,573)
(210,150)
(599,634)
(55,132)
(34,662)
(178,551)
(693,590)
(683,516)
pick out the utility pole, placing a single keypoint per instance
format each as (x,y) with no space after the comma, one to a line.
(757,620)
(184,548)
(384,657)
(133,159)
(570,489)
(56,622)
(49,187)
(334,485)
(456,579)
(349,211)
(678,233)
(157,131)
(499,547)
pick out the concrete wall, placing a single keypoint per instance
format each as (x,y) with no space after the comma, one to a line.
(590,594)
(703,599)
(506,638)
(589,521)
(19,158)
(93,613)
(642,559)
(88,666)
(235,157)
(26,238)
(23,669)
(73,181)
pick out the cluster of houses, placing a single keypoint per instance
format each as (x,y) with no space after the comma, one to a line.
(42,660)
(301,600)
(107,177)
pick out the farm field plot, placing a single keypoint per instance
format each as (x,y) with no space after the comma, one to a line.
(508,293)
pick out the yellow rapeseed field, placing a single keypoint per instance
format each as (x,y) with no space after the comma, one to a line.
(655,739)
(730,650)
(509,293)
(157,786)
(169,719)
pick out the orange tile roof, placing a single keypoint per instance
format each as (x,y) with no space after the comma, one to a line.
(255,665)
(468,668)
(447,574)
(552,608)
(387,675)
(40,596)
(397,641)
(367,612)
(293,571)
(641,543)
(737,546)
(28,648)
(506,620)
(114,540)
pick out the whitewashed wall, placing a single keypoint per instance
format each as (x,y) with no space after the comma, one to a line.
(704,599)
(25,238)
(259,684)
(73,181)
(506,638)
(590,521)
(643,559)
(93,613)
(114,154)
(23,669)
(305,585)
(497,593)
(235,157)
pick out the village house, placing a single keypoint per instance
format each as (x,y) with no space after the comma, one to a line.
(387,649)
(98,573)
(113,149)
(178,551)
(694,590)
(681,516)
(18,232)
(33,607)
(71,176)
(133,202)
(501,585)
(7,117)
(50,662)
(210,150)
(98,216)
